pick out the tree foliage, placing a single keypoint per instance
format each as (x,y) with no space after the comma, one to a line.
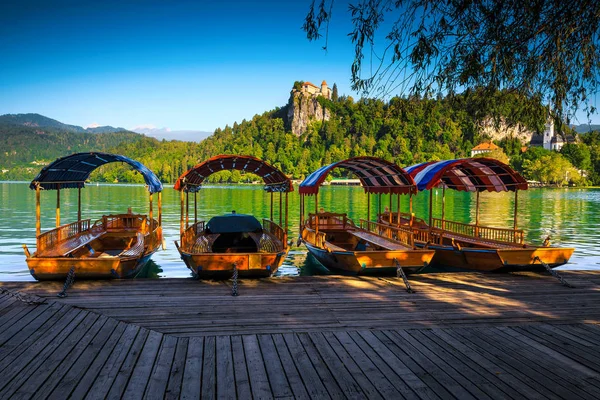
(547,48)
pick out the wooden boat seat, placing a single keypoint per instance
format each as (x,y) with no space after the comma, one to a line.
(334,247)
(136,250)
(75,243)
(378,240)
(492,244)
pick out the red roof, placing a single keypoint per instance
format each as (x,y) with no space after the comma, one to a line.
(275,180)
(308,83)
(486,146)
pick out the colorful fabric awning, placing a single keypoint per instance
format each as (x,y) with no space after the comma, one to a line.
(274,179)
(72,171)
(376,176)
(468,175)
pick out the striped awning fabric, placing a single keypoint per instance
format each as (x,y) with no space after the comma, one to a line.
(72,171)
(274,179)
(468,175)
(376,176)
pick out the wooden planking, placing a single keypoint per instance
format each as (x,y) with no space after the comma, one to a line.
(185,308)
(54,350)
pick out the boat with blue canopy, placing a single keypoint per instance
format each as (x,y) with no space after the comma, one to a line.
(474,246)
(114,246)
(368,247)
(233,242)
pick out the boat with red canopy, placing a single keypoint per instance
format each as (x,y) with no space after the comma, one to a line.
(474,246)
(369,247)
(229,242)
(115,246)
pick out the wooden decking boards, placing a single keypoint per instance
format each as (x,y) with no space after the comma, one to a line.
(463,336)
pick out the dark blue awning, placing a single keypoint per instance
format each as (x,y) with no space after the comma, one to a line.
(72,171)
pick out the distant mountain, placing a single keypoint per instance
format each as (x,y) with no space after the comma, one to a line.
(585,128)
(168,134)
(40,121)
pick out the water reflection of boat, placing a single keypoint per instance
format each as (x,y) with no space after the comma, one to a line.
(233,241)
(115,246)
(473,246)
(370,247)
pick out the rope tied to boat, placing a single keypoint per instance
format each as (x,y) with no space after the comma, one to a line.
(68,283)
(553,272)
(234,288)
(400,274)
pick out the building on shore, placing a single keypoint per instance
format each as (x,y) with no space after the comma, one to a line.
(483,148)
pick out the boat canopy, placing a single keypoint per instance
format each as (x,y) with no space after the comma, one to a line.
(72,171)
(376,176)
(233,223)
(275,180)
(468,175)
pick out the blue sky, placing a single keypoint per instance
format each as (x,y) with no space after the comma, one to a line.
(194,65)
(183,64)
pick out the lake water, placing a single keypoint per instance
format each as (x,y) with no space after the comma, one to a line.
(570,216)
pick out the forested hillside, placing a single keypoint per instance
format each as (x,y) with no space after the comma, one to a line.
(405,131)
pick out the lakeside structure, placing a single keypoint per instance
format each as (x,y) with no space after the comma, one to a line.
(458,336)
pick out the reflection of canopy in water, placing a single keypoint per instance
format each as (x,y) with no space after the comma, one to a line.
(376,176)
(275,180)
(467,174)
(72,171)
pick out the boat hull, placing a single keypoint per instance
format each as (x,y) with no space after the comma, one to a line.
(498,260)
(371,262)
(220,265)
(57,268)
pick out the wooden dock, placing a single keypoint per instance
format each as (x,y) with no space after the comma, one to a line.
(464,336)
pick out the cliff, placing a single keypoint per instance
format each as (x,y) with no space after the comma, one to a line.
(302,109)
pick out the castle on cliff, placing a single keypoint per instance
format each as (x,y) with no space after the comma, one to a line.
(311,89)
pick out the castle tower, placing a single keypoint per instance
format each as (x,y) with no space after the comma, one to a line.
(325,91)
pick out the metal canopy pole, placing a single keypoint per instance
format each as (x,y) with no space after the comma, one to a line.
(477,215)
(79,205)
(280,209)
(301,213)
(181,213)
(398,221)
(368,206)
(390,209)
(57,205)
(286,212)
(443,207)
(430,207)
(159,208)
(317,212)
(271,206)
(379,205)
(195,207)
(410,209)
(187,209)
(38,220)
(150,213)
(516,205)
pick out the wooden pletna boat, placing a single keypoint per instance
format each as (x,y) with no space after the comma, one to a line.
(214,248)
(369,247)
(461,246)
(115,246)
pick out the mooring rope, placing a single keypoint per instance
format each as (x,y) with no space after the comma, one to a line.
(553,272)
(400,274)
(234,288)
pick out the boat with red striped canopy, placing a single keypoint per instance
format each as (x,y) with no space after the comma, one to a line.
(368,247)
(233,242)
(474,246)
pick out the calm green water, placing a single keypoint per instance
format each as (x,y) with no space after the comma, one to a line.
(570,216)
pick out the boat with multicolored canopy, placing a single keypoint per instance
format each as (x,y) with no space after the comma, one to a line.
(233,242)
(368,247)
(474,246)
(115,246)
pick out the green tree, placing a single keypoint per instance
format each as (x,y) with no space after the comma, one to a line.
(547,47)
(334,93)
